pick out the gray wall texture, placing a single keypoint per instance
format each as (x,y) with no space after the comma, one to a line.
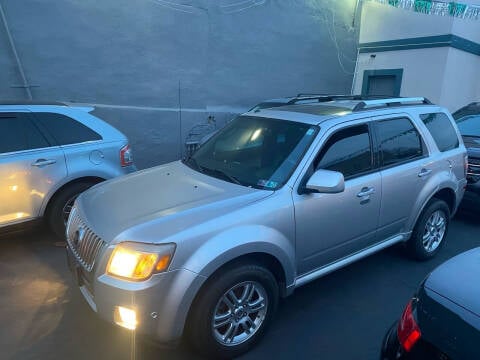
(141,61)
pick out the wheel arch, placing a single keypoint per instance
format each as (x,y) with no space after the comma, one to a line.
(85,179)
(446,194)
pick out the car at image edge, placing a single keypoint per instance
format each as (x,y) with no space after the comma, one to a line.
(468,122)
(442,320)
(279,197)
(50,153)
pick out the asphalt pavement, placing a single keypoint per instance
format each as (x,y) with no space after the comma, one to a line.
(343,315)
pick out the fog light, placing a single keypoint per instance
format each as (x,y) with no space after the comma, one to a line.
(125,317)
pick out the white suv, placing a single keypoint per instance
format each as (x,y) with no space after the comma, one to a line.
(49,154)
(275,199)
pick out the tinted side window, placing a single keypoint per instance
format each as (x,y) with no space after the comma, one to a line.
(66,130)
(398,140)
(347,151)
(17,133)
(442,130)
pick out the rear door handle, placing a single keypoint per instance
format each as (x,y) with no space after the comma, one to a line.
(424,172)
(44,162)
(366,191)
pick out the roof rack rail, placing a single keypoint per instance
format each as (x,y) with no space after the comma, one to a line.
(309,94)
(302,97)
(390,102)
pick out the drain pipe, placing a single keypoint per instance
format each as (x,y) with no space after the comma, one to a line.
(356,21)
(25,85)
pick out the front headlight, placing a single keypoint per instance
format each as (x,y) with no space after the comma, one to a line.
(136,261)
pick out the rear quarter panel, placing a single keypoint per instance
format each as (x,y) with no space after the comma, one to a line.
(448,170)
(94,159)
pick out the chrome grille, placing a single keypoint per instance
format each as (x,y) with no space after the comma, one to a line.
(83,242)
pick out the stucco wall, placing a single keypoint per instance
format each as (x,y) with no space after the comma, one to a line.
(381,23)
(445,75)
(460,82)
(422,70)
(153,57)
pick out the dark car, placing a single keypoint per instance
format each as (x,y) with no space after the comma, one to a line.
(442,321)
(468,121)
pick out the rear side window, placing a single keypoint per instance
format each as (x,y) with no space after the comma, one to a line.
(398,141)
(66,130)
(17,133)
(347,151)
(442,130)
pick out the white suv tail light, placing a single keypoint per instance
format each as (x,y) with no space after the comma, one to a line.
(126,156)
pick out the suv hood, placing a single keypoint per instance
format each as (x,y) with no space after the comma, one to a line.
(173,193)
(457,280)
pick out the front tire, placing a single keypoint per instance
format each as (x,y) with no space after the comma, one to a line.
(233,311)
(430,231)
(61,205)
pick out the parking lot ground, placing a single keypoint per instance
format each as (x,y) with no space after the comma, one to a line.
(343,315)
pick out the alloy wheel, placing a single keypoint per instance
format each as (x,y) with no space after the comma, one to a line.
(239,313)
(435,230)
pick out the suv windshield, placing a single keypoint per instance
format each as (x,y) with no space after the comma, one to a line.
(254,151)
(469,125)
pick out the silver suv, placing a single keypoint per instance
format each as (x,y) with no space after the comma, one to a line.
(50,153)
(279,197)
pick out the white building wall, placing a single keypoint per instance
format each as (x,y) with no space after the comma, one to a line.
(461,83)
(421,69)
(446,75)
(382,23)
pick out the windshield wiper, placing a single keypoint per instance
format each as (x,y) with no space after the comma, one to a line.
(191,161)
(223,174)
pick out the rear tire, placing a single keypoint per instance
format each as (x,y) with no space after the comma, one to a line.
(60,206)
(244,321)
(430,230)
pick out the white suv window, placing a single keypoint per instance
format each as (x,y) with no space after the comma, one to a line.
(442,131)
(17,133)
(64,129)
(347,151)
(398,141)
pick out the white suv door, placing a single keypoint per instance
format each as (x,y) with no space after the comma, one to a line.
(405,168)
(29,168)
(332,226)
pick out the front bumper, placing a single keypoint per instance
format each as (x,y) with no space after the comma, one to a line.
(161,303)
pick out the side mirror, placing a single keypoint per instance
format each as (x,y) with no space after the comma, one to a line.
(326,181)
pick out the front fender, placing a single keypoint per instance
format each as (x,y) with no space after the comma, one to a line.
(239,241)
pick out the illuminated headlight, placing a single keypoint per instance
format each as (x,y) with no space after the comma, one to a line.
(136,261)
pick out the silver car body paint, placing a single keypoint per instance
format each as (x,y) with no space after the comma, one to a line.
(212,221)
(27,189)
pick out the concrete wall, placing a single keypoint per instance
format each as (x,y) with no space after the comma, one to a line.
(422,70)
(143,60)
(381,23)
(445,75)
(460,81)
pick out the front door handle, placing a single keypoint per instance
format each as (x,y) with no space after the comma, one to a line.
(366,191)
(424,172)
(44,162)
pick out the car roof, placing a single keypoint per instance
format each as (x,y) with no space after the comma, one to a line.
(31,102)
(43,106)
(470,109)
(318,112)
